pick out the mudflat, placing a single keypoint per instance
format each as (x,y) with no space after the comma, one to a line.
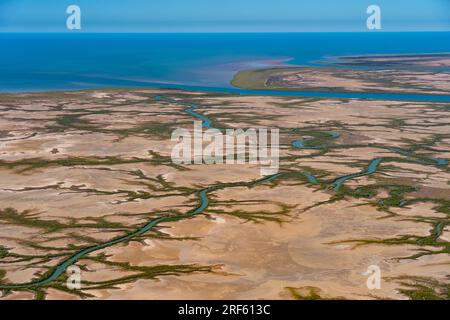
(82,174)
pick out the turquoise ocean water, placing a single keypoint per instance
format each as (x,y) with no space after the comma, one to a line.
(41,62)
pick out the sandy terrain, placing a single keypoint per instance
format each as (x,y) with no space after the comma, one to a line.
(80,169)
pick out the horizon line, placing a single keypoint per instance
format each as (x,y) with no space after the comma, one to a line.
(218,32)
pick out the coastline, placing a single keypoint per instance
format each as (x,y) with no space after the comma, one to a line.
(207,61)
(254,81)
(262,92)
(343,75)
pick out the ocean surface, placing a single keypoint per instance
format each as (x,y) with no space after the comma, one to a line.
(42,62)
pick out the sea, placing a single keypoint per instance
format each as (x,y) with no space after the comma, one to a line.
(203,61)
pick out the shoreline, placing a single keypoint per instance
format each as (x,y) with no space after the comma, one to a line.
(407,97)
(254,81)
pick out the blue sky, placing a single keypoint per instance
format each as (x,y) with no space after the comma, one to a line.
(223,15)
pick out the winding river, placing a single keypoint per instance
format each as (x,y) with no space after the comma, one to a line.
(373,165)
(204,202)
(202,194)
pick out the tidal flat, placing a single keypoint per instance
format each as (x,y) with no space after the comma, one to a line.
(402,74)
(86,177)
